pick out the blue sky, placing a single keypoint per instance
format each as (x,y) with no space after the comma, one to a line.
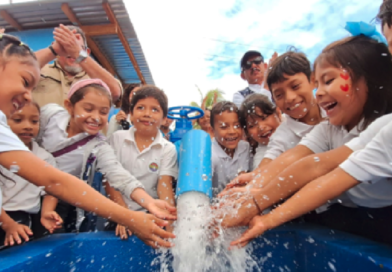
(201,42)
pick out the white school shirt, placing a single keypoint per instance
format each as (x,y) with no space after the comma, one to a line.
(55,138)
(158,159)
(226,168)
(8,141)
(18,193)
(287,135)
(114,126)
(238,98)
(259,155)
(371,164)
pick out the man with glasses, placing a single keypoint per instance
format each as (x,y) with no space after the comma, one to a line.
(72,63)
(253,71)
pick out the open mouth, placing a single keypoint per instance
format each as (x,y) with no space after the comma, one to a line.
(265,135)
(231,139)
(25,135)
(328,106)
(93,125)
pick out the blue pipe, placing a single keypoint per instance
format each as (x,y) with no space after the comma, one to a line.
(195,164)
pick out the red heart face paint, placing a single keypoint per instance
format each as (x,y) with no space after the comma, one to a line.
(345,76)
(344,88)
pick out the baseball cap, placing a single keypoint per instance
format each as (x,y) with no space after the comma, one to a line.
(250,53)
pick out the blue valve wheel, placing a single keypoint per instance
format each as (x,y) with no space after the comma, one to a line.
(183,112)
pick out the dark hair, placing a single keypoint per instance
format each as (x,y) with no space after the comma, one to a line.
(80,32)
(125,103)
(220,107)
(250,103)
(150,91)
(365,58)
(79,94)
(290,63)
(385,13)
(248,55)
(12,46)
(36,105)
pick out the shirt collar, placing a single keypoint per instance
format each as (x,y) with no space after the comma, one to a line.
(222,154)
(56,65)
(299,128)
(158,140)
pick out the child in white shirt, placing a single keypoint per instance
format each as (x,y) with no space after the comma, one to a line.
(143,151)
(230,155)
(260,118)
(22,199)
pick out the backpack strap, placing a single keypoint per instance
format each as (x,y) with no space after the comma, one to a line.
(73,146)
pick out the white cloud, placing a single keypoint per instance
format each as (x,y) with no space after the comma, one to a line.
(178,37)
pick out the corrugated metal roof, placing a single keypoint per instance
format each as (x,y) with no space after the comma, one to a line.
(45,14)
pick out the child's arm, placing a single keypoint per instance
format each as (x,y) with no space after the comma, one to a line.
(165,193)
(312,196)
(13,230)
(116,196)
(49,218)
(72,190)
(286,183)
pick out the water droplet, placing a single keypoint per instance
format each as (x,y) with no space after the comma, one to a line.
(281,178)
(142,200)
(84,193)
(316,159)
(153,138)
(332,266)
(48,255)
(265,197)
(305,109)
(14,168)
(204,177)
(384,54)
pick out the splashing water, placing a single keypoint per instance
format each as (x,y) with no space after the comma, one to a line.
(195,249)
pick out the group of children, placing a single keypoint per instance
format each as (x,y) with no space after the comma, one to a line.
(330,152)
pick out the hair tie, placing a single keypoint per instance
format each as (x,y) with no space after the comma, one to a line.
(362,28)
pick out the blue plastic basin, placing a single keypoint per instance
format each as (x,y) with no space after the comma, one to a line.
(295,248)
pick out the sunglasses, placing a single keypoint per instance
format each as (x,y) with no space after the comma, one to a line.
(247,65)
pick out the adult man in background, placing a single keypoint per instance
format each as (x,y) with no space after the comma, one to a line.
(72,63)
(253,70)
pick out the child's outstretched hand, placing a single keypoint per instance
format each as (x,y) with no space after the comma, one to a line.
(14,231)
(257,226)
(123,232)
(241,180)
(162,209)
(148,228)
(51,221)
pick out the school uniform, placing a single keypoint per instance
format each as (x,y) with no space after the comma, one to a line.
(259,155)
(156,160)
(226,168)
(95,155)
(8,142)
(287,135)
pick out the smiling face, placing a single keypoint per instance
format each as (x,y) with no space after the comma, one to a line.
(147,116)
(204,121)
(254,75)
(18,77)
(342,99)
(294,96)
(25,123)
(227,130)
(261,126)
(90,114)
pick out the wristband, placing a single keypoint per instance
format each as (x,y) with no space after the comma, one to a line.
(51,49)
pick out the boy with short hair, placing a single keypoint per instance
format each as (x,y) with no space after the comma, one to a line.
(143,150)
(230,155)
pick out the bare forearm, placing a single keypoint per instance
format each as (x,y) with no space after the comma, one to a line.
(44,56)
(49,204)
(299,174)
(264,162)
(94,70)
(165,189)
(115,195)
(64,186)
(141,197)
(5,218)
(312,196)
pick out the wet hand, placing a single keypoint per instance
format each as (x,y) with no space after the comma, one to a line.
(237,207)
(257,226)
(148,228)
(241,180)
(14,232)
(162,209)
(51,221)
(123,232)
